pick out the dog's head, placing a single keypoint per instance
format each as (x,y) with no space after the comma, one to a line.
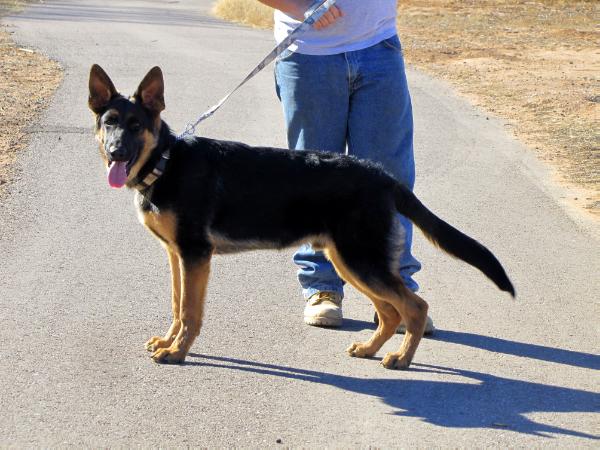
(127,128)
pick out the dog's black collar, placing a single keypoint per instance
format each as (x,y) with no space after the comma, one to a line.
(155,173)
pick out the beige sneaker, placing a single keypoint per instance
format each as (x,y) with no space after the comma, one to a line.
(429,328)
(324,309)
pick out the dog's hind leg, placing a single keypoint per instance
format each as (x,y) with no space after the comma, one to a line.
(194,279)
(413,310)
(399,304)
(390,318)
(393,301)
(157,342)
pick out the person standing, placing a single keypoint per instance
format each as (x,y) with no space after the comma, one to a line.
(343,88)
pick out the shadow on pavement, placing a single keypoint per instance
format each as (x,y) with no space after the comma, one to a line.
(481,401)
(492,344)
(354,325)
(496,345)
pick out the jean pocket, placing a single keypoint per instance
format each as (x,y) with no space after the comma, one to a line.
(393,43)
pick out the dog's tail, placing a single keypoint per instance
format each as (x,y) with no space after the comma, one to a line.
(450,239)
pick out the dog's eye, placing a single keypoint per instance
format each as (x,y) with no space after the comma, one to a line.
(135,126)
(111,120)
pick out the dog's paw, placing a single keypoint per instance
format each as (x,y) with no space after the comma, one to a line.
(393,361)
(168,356)
(359,350)
(156,342)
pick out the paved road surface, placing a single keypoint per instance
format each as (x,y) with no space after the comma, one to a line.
(83,285)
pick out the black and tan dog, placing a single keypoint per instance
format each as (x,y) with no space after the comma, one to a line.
(201,197)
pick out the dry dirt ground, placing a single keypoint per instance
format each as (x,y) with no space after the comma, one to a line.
(535,64)
(27,82)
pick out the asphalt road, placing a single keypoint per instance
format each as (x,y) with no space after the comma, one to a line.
(83,285)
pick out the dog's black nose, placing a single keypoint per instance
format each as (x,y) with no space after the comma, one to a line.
(117,152)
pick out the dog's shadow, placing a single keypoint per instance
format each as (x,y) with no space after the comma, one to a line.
(483,401)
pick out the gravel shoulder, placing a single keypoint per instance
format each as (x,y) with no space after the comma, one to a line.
(28,79)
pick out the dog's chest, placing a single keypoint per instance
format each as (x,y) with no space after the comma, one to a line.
(161,223)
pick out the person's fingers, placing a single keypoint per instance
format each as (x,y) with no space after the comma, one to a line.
(324,21)
(329,17)
(320,24)
(336,12)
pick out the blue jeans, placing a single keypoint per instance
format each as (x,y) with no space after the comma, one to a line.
(357,100)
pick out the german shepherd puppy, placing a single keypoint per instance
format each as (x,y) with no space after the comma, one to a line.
(201,197)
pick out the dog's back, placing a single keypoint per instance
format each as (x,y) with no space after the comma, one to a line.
(273,196)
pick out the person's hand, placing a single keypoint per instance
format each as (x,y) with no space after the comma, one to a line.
(297,8)
(329,18)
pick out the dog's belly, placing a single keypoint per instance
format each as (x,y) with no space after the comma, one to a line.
(224,244)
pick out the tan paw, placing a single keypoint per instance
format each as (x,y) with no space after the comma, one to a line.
(359,350)
(156,342)
(393,361)
(169,356)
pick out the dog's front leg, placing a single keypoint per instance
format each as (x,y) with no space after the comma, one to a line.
(194,279)
(157,342)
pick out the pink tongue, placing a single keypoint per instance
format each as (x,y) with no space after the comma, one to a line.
(117,174)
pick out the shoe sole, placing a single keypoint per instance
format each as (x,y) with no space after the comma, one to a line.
(323,322)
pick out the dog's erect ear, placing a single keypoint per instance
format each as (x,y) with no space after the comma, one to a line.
(151,91)
(101,89)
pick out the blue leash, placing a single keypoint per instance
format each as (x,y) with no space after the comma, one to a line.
(314,13)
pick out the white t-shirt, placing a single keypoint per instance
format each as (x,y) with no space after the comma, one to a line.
(365,23)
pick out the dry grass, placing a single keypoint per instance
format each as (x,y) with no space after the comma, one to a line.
(247,12)
(27,82)
(7,6)
(534,63)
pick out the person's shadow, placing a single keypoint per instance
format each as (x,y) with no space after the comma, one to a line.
(485,401)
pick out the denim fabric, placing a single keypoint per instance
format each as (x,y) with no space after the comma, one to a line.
(356,102)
